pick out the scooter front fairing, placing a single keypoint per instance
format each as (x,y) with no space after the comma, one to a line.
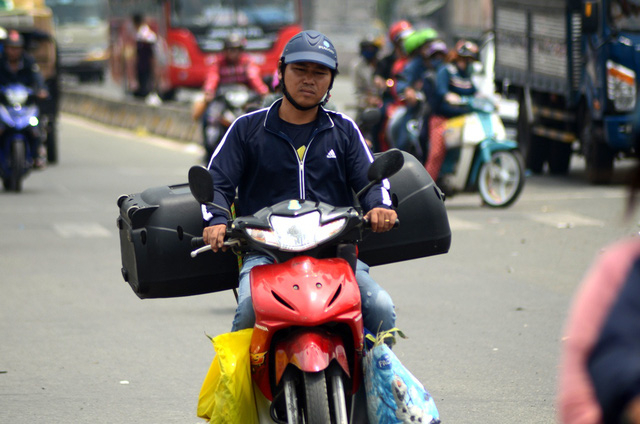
(308,312)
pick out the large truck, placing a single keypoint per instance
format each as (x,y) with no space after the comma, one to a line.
(82,32)
(573,66)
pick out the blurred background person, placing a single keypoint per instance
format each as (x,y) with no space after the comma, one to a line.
(453,84)
(387,69)
(146,39)
(368,94)
(599,374)
(19,67)
(233,66)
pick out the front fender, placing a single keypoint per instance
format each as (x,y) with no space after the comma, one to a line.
(310,350)
(484,152)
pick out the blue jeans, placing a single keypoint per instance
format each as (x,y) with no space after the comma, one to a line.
(378,311)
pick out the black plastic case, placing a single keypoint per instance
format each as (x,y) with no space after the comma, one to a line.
(156,227)
(424,226)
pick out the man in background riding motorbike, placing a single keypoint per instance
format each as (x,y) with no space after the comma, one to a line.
(387,70)
(232,66)
(19,67)
(368,95)
(296,149)
(389,66)
(409,84)
(453,82)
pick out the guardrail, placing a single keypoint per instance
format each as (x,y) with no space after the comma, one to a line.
(166,120)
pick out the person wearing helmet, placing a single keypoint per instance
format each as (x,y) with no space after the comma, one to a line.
(233,66)
(416,46)
(389,66)
(368,96)
(453,82)
(230,67)
(398,32)
(409,88)
(296,149)
(19,67)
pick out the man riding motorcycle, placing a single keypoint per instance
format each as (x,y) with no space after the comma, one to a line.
(18,67)
(296,149)
(232,66)
(453,81)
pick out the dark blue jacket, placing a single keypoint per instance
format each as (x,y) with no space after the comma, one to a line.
(614,363)
(450,79)
(257,157)
(28,74)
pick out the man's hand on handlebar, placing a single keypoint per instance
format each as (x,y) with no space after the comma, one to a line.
(381,219)
(214,236)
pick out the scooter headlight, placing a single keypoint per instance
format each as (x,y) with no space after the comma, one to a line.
(295,234)
(17,96)
(237,99)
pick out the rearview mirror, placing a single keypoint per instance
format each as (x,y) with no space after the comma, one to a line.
(385,165)
(201,184)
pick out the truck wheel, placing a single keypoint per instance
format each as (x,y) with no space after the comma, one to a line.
(537,154)
(559,157)
(598,156)
(599,159)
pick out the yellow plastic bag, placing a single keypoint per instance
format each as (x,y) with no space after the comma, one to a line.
(226,395)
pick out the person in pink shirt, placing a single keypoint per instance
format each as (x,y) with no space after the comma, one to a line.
(599,375)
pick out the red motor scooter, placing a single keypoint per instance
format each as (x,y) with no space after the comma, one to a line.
(308,339)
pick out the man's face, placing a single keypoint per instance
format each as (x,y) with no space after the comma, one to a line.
(307,82)
(13,52)
(233,54)
(464,62)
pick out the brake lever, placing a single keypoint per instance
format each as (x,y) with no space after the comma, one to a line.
(229,243)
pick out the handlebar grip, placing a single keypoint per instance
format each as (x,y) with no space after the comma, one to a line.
(197,242)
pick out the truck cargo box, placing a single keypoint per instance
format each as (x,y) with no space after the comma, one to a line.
(156,227)
(538,44)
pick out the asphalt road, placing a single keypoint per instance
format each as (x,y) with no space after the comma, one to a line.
(76,345)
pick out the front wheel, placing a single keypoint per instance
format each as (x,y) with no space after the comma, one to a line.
(316,398)
(307,398)
(501,179)
(18,161)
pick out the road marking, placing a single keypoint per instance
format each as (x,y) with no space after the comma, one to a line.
(566,220)
(80,230)
(460,224)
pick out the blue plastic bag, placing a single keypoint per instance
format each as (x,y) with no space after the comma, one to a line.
(394,395)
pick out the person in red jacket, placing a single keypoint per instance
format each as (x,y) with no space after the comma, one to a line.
(231,67)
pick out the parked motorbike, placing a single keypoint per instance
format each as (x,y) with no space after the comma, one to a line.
(230,102)
(19,123)
(307,343)
(480,157)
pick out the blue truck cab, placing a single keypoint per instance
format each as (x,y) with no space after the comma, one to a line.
(573,66)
